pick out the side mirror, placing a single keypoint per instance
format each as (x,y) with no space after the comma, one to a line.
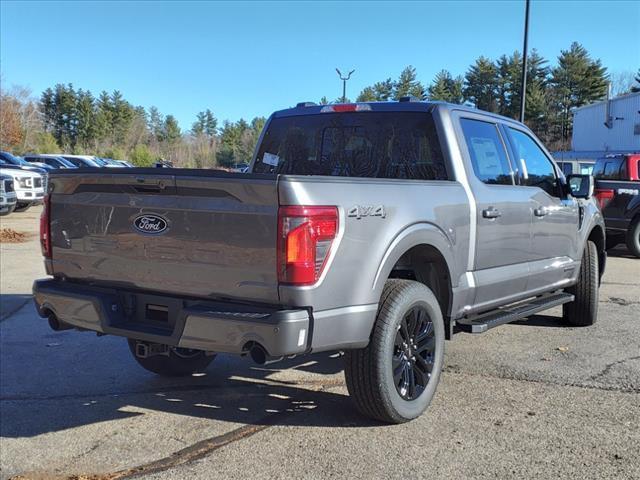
(581,186)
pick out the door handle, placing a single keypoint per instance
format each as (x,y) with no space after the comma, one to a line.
(491,213)
(541,211)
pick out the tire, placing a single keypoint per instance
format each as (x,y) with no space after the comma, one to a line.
(176,362)
(633,237)
(22,207)
(583,311)
(369,372)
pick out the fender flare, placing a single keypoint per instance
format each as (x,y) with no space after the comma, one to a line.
(421,233)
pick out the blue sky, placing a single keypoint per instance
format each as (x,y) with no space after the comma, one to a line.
(248,59)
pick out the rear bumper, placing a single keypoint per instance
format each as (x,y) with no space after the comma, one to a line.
(205,325)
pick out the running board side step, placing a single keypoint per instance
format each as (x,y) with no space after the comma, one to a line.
(511,313)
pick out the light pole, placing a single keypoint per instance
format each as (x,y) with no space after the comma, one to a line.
(344,84)
(523,83)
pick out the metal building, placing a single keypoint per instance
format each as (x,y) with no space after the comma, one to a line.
(608,126)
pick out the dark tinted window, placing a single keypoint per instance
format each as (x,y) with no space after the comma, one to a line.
(75,161)
(487,153)
(537,168)
(365,144)
(612,169)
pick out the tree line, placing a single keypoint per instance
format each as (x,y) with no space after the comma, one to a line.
(495,86)
(66,119)
(73,120)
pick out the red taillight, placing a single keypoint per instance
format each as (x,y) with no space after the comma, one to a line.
(305,235)
(45,227)
(603,196)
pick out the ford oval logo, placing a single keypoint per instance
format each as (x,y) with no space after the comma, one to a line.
(150,224)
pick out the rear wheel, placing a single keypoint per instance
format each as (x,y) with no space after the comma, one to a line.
(583,311)
(395,377)
(169,361)
(633,237)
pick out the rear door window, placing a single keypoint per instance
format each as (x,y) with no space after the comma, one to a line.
(487,152)
(401,145)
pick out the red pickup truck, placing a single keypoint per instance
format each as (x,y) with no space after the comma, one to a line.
(618,194)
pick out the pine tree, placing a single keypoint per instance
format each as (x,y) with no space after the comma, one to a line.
(368,94)
(445,88)
(122,116)
(509,84)
(104,118)
(86,113)
(211,123)
(205,124)
(171,130)
(408,85)
(576,81)
(384,90)
(48,109)
(199,125)
(480,85)
(156,123)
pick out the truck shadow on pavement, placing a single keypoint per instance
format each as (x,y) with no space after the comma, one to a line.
(251,395)
(11,303)
(550,321)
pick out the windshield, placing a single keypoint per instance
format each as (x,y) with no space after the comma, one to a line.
(12,159)
(358,144)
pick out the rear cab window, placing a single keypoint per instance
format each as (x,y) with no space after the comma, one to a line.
(398,145)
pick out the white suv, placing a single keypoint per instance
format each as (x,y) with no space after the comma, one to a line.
(29,187)
(8,196)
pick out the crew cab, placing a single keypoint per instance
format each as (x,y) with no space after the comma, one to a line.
(618,194)
(378,229)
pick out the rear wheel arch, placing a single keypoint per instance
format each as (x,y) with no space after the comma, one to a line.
(427,265)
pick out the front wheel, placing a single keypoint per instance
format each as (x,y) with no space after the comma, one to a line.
(395,377)
(633,237)
(169,361)
(583,311)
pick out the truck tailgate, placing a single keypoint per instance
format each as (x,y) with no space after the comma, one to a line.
(194,233)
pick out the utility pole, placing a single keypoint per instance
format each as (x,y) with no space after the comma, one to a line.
(344,84)
(523,83)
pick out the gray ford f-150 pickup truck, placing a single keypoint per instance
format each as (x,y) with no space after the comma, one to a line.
(379,229)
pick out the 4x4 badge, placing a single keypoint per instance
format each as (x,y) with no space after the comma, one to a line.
(360,211)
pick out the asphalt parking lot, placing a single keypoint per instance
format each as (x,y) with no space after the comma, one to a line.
(535,399)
